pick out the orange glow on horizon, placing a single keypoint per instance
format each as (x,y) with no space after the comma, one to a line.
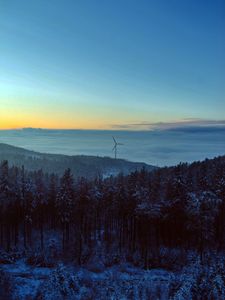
(20,122)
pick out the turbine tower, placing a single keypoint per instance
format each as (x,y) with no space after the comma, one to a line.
(115,146)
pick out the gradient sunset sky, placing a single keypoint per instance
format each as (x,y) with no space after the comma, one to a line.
(111,64)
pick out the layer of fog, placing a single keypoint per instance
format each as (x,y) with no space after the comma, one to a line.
(154,147)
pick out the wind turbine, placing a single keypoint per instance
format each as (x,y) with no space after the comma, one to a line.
(115,146)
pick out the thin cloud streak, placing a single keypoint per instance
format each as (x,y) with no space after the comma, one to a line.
(191,123)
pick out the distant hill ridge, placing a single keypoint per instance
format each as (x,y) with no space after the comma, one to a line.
(80,165)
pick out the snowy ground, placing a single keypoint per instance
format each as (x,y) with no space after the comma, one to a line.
(27,279)
(120,280)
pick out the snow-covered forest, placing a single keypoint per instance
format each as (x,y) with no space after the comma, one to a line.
(147,235)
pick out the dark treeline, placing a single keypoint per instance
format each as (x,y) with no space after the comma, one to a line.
(178,207)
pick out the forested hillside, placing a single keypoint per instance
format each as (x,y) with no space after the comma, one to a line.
(150,219)
(80,165)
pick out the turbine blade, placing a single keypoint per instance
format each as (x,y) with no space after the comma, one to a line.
(114,139)
(114,148)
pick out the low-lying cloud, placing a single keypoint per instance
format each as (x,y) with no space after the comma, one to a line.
(188,124)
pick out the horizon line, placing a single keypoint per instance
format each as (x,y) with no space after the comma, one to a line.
(139,126)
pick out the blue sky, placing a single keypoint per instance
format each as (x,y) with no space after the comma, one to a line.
(106,64)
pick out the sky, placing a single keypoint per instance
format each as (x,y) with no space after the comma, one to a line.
(119,64)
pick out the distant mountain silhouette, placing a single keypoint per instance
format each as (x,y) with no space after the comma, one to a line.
(80,165)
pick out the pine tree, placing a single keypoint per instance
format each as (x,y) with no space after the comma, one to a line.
(65,202)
